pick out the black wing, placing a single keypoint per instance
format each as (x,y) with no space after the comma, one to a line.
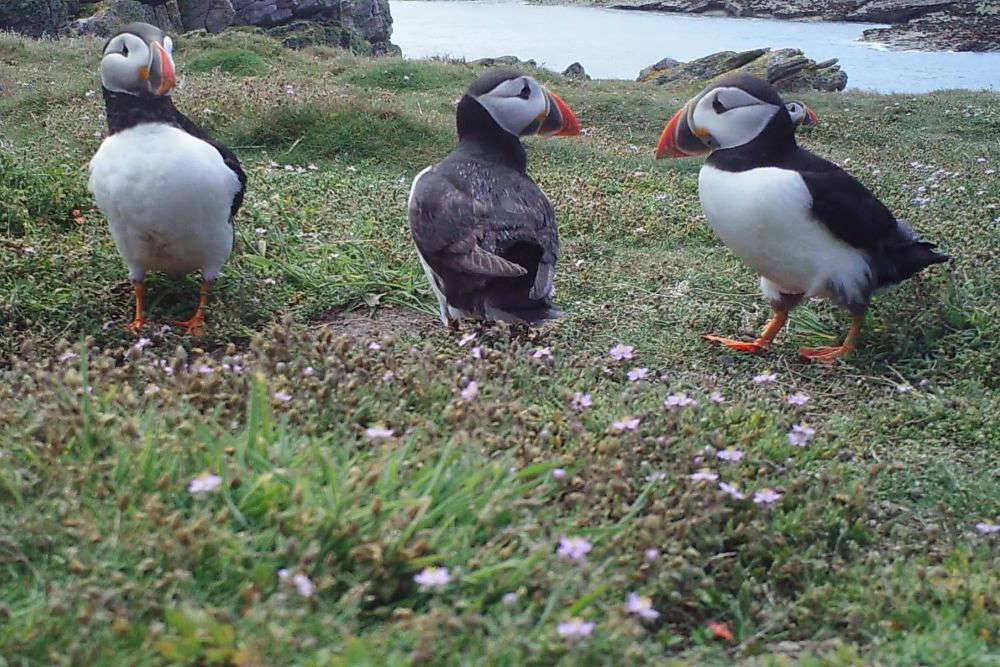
(461,232)
(844,205)
(491,240)
(854,215)
(228,157)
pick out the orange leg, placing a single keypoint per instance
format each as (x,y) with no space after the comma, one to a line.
(760,345)
(196,325)
(829,355)
(136,325)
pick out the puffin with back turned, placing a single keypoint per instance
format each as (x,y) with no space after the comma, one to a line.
(168,190)
(804,224)
(485,233)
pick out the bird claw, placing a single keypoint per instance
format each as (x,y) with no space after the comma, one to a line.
(823,355)
(193,327)
(135,326)
(737,345)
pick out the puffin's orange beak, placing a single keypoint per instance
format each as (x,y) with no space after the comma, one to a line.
(678,140)
(161,71)
(560,121)
(811,117)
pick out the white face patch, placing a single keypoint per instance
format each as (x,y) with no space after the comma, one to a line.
(515,104)
(731,116)
(123,58)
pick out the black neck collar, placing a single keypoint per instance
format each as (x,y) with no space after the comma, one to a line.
(125,111)
(768,148)
(478,132)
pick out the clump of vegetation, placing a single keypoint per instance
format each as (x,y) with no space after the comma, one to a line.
(405,75)
(238,61)
(331,477)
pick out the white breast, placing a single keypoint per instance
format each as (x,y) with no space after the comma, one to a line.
(764,216)
(167,196)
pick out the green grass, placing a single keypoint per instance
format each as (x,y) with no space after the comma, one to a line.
(241,62)
(870,557)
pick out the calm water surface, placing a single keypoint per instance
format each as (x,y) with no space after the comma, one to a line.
(616,44)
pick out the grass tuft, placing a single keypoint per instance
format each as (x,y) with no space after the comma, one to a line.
(237,61)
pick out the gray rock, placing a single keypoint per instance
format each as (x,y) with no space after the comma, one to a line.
(960,25)
(110,15)
(210,15)
(510,61)
(37,17)
(369,18)
(666,63)
(576,71)
(787,69)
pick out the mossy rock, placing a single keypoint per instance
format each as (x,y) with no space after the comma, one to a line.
(37,17)
(300,34)
(241,62)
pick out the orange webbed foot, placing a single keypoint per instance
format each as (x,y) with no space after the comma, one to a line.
(135,326)
(824,355)
(738,345)
(192,327)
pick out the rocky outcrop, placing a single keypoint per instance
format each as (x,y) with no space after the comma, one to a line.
(363,26)
(961,25)
(209,15)
(968,29)
(37,17)
(787,69)
(370,19)
(111,15)
(576,71)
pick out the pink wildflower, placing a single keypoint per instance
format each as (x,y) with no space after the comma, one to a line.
(573,548)
(621,351)
(766,497)
(641,606)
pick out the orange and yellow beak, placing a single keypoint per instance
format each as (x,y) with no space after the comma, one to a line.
(559,120)
(810,118)
(679,139)
(159,74)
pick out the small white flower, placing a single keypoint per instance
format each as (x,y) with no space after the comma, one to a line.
(652,555)
(703,475)
(471,391)
(641,606)
(558,473)
(374,347)
(766,497)
(204,483)
(378,432)
(627,424)
(716,397)
(476,352)
(729,454)
(542,353)
(282,396)
(269,281)
(303,585)
(765,378)
(581,401)
(432,577)
(798,399)
(509,599)
(466,339)
(637,374)
(987,528)
(309,371)
(67,356)
(575,629)
(732,491)
(678,401)
(800,435)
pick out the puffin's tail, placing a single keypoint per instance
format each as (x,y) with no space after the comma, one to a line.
(901,262)
(529,311)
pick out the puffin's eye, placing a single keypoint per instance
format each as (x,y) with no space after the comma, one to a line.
(718,106)
(525,92)
(125,50)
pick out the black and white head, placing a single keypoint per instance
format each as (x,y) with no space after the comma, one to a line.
(801,114)
(518,104)
(730,113)
(138,61)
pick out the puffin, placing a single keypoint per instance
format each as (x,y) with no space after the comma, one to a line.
(805,225)
(800,114)
(485,233)
(168,190)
